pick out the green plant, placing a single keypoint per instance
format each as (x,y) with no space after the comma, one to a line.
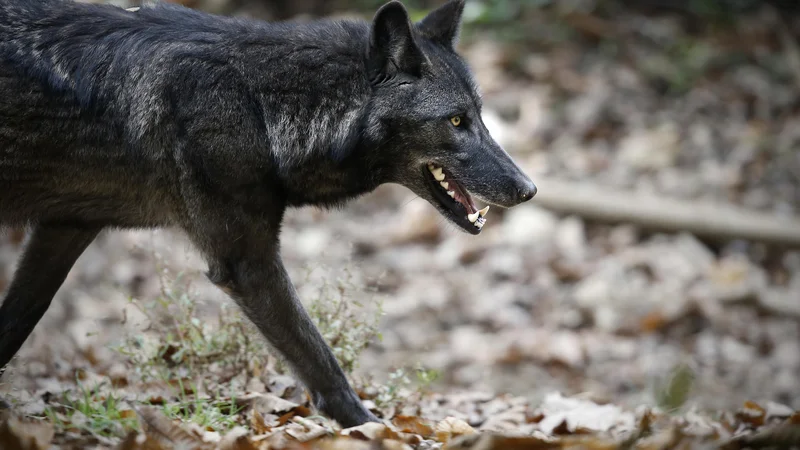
(178,343)
(184,342)
(400,386)
(94,411)
(673,392)
(208,412)
(342,320)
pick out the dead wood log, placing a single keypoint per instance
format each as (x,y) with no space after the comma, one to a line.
(708,220)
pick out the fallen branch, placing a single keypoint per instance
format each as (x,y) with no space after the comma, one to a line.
(712,221)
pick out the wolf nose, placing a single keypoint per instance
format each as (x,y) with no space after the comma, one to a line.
(527,191)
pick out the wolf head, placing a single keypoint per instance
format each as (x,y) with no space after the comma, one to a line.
(428,111)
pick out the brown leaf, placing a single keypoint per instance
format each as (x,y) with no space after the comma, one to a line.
(156,400)
(653,322)
(452,427)
(139,441)
(24,435)
(512,356)
(167,353)
(268,403)
(258,424)
(533,418)
(391,444)
(312,431)
(185,385)
(299,410)
(338,443)
(411,424)
(499,442)
(237,439)
(561,429)
(160,428)
(752,414)
(369,431)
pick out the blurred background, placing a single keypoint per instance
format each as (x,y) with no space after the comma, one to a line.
(664,137)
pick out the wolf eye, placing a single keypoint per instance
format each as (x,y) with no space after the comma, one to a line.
(455,120)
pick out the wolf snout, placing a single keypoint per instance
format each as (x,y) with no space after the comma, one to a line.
(523,190)
(526,190)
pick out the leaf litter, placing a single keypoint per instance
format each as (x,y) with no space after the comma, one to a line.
(267,421)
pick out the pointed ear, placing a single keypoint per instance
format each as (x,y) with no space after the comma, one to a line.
(442,25)
(392,48)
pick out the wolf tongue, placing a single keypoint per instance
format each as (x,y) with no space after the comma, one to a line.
(463,197)
(465,201)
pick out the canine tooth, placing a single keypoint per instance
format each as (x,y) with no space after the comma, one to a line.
(437,173)
(444,184)
(484,211)
(479,223)
(451,193)
(473,217)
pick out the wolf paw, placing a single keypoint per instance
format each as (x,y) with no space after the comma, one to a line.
(344,407)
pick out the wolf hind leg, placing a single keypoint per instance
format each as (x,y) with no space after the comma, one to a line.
(47,259)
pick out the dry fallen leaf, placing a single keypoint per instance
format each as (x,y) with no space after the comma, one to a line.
(139,441)
(576,414)
(369,431)
(337,443)
(752,414)
(19,434)
(236,439)
(491,441)
(268,403)
(311,431)
(258,424)
(452,427)
(415,425)
(160,428)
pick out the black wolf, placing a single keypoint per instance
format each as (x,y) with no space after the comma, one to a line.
(167,116)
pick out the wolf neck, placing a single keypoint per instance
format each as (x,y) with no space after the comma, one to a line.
(314,91)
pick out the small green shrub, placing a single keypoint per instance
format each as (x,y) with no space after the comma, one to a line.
(345,323)
(400,386)
(672,392)
(97,411)
(182,342)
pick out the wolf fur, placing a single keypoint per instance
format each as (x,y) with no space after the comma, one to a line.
(172,117)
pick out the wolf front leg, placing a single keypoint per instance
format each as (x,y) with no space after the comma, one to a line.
(48,257)
(262,288)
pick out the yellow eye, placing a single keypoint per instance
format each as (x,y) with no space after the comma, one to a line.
(455,120)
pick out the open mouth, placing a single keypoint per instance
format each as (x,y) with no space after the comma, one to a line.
(455,199)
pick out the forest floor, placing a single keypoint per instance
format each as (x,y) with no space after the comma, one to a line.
(557,327)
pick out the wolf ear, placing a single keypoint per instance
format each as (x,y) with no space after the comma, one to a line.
(392,48)
(443,24)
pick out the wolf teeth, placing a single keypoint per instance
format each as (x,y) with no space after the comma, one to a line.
(475,218)
(437,172)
